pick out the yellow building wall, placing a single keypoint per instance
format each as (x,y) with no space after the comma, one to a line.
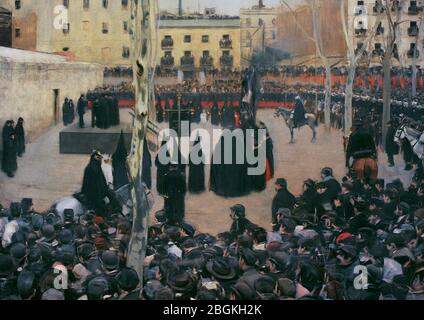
(197,47)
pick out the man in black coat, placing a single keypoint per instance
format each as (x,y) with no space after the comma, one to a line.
(282,200)
(20,137)
(391,146)
(9,163)
(94,185)
(332,185)
(299,112)
(81,107)
(240,222)
(174,192)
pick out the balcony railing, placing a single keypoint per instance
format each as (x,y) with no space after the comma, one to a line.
(412,31)
(413,10)
(167,61)
(206,62)
(361,31)
(413,52)
(187,61)
(227,61)
(226,43)
(167,43)
(378,52)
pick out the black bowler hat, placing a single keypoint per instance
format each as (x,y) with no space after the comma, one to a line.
(281,182)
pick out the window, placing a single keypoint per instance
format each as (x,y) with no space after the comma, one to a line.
(205,39)
(125,52)
(187,53)
(226,53)
(66,3)
(105,3)
(17,33)
(86,4)
(105,27)
(206,53)
(187,39)
(125,26)
(18,4)
(124,3)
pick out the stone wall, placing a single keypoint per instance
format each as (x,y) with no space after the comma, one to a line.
(27,84)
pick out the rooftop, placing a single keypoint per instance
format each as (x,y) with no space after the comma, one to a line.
(25,56)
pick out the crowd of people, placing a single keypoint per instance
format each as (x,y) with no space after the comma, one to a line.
(13,146)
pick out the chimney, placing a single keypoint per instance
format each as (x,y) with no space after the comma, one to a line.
(180,7)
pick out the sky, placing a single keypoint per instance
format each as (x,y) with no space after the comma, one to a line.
(230,7)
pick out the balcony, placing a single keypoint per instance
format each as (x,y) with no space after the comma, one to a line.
(360,10)
(167,43)
(226,43)
(206,62)
(227,61)
(396,6)
(167,61)
(413,52)
(187,61)
(413,31)
(413,9)
(361,31)
(359,48)
(378,52)
(378,8)
(380,30)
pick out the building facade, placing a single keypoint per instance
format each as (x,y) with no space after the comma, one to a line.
(258,30)
(363,17)
(89,30)
(194,44)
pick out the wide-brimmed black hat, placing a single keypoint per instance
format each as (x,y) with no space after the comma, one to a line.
(221,269)
(6,265)
(127,279)
(243,291)
(281,182)
(182,282)
(239,210)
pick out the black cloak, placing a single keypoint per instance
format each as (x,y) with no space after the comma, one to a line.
(228,180)
(175,191)
(20,138)
(9,161)
(119,159)
(94,186)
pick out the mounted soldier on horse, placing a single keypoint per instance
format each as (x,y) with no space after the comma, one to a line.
(361,154)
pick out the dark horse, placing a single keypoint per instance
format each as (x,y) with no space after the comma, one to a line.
(310,121)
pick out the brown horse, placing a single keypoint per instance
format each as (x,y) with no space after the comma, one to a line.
(366,169)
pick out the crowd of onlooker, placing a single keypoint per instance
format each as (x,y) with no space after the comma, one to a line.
(320,245)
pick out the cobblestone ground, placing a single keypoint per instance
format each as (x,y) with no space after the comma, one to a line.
(45,175)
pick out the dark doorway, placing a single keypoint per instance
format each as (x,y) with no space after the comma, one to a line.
(5,28)
(56,110)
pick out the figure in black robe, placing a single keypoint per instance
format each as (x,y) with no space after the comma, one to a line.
(94,113)
(161,171)
(115,108)
(71,112)
(81,107)
(20,137)
(119,159)
(94,186)
(7,130)
(147,165)
(174,191)
(65,112)
(196,179)
(228,180)
(215,115)
(9,161)
(270,154)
